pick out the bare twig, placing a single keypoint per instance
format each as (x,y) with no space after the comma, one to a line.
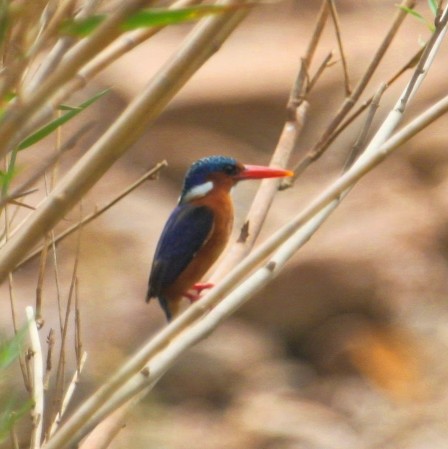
(58,401)
(300,86)
(324,64)
(21,190)
(115,392)
(19,114)
(429,49)
(38,380)
(167,346)
(203,42)
(68,395)
(362,136)
(40,282)
(49,362)
(322,144)
(78,339)
(57,53)
(150,174)
(296,112)
(335,17)
(121,46)
(409,65)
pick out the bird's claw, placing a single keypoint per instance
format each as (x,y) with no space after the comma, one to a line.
(195,292)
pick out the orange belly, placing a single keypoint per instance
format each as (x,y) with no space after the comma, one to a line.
(209,252)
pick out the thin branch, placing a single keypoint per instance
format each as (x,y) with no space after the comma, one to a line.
(300,86)
(409,65)
(296,112)
(335,18)
(20,190)
(105,432)
(40,283)
(428,53)
(58,401)
(122,45)
(150,174)
(202,43)
(94,406)
(49,361)
(265,195)
(78,339)
(321,145)
(20,113)
(68,395)
(362,136)
(38,379)
(324,64)
(55,56)
(172,341)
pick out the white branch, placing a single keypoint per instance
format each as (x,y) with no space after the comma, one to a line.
(144,369)
(38,379)
(292,236)
(68,395)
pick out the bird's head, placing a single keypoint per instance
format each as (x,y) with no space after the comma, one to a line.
(223,172)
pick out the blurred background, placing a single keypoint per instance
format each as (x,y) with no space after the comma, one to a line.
(346,348)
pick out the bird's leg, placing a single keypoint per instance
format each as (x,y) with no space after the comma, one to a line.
(195,292)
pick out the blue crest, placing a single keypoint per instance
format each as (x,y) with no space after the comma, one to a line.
(202,168)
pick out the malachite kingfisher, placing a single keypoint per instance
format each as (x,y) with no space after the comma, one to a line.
(198,229)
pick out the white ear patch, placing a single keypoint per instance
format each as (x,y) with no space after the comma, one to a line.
(199,191)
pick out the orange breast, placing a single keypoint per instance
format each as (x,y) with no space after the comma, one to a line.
(219,201)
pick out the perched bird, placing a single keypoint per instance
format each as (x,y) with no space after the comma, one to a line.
(198,229)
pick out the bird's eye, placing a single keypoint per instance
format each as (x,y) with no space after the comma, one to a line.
(230,170)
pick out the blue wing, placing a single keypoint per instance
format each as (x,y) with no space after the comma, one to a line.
(185,232)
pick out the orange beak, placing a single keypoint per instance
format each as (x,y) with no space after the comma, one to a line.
(260,172)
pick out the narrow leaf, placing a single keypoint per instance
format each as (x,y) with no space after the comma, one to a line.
(53,125)
(418,16)
(10,349)
(145,18)
(10,414)
(162,17)
(433,6)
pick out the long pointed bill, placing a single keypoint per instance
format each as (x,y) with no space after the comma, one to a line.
(260,172)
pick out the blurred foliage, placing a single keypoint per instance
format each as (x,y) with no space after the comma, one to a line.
(12,410)
(46,130)
(429,23)
(145,18)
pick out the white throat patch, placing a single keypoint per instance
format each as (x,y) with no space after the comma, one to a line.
(199,191)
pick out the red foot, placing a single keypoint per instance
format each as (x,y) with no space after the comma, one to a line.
(195,292)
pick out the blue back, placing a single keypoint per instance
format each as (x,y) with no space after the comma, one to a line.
(184,234)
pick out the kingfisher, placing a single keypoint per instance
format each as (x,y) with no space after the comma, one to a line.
(198,229)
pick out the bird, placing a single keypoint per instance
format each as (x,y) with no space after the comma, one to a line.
(198,229)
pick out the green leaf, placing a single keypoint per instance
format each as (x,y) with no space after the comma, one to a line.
(145,18)
(6,177)
(10,414)
(10,349)
(82,27)
(53,125)
(433,6)
(418,16)
(162,17)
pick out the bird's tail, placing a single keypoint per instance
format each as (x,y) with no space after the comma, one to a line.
(163,303)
